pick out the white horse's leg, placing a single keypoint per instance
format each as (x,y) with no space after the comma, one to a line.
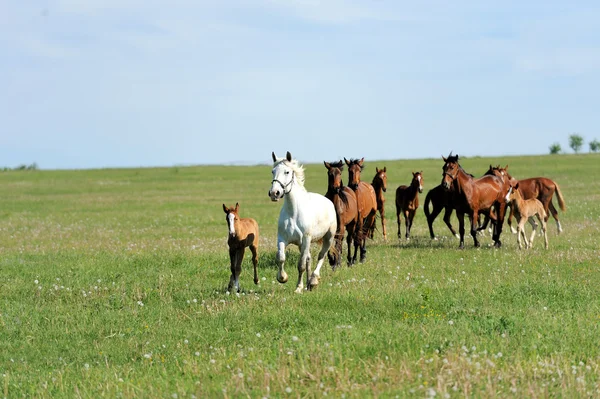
(282,276)
(316,276)
(303,263)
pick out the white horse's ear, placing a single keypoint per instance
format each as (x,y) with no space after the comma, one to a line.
(274,157)
(288,156)
(225,208)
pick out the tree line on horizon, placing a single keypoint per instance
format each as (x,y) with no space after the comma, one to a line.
(576,141)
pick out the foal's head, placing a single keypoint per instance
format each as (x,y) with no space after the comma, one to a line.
(232,217)
(334,176)
(355,166)
(513,193)
(417,180)
(449,170)
(380,179)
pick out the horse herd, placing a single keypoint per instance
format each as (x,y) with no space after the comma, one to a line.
(351,212)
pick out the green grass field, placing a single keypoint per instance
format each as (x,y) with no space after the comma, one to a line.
(113,284)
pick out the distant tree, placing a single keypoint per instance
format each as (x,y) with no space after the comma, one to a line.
(555,148)
(594,145)
(575,142)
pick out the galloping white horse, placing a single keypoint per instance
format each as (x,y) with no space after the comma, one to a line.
(304,217)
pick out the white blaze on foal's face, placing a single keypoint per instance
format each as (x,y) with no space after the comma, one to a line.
(231,223)
(420,183)
(507,198)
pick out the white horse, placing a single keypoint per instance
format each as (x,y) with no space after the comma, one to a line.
(304,217)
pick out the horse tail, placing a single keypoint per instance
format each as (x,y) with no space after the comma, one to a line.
(561,200)
(426,204)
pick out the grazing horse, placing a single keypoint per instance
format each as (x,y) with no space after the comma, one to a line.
(407,202)
(367,203)
(346,210)
(524,210)
(540,188)
(472,196)
(379,184)
(243,232)
(304,217)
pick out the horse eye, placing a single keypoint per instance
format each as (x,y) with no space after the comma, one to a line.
(287,172)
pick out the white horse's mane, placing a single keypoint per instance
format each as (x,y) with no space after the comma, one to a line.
(296,168)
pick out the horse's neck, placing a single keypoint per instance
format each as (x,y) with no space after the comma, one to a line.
(294,197)
(378,187)
(464,181)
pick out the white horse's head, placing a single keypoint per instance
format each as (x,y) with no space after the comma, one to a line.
(286,173)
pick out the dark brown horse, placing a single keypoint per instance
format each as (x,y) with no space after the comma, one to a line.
(472,196)
(540,188)
(407,202)
(439,198)
(243,232)
(346,209)
(379,184)
(367,203)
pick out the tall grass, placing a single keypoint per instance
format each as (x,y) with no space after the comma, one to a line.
(113,283)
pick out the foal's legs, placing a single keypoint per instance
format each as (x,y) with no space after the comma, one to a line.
(534,227)
(407,224)
(282,276)
(399,221)
(235,256)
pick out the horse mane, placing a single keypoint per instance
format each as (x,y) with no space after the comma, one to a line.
(296,168)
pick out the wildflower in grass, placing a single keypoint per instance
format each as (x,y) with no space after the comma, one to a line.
(451,322)
(197,353)
(288,390)
(36,282)
(185,341)
(294,338)
(258,335)
(140,303)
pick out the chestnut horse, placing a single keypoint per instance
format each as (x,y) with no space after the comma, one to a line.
(407,202)
(472,196)
(379,184)
(540,188)
(346,209)
(243,232)
(524,210)
(367,203)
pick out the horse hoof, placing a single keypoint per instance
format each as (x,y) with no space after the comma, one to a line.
(298,290)
(282,278)
(314,281)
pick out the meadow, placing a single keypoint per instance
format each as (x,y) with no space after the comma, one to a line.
(113,284)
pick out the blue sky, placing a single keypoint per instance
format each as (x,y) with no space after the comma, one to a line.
(127,83)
